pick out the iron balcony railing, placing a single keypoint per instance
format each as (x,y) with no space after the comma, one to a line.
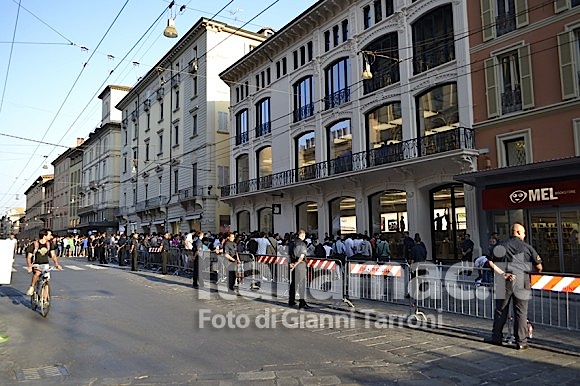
(454,139)
(337,98)
(150,203)
(242,137)
(382,78)
(192,193)
(505,23)
(511,100)
(263,129)
(304,112)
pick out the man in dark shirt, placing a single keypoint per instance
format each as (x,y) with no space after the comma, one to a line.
(513,259)
(165,249)
(230,253)
(134,251)
(298,269)
(197,253)
(38,252)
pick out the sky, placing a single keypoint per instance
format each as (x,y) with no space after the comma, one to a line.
(57,56)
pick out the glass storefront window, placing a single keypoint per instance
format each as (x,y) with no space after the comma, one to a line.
(243,222)
(307,217)
(448,219)
(265,220)
(437,110)
(388,213)
(385,126)
(343,215)
(340,147)
(306,156)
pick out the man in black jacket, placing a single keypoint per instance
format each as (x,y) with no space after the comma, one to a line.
(298,271)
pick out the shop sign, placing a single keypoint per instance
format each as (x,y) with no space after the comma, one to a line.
(532,195)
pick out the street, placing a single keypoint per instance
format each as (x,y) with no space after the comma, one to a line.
(110,326)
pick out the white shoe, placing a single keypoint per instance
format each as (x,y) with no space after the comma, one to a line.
(30,291)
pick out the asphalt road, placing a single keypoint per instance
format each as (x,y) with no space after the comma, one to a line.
(109,326)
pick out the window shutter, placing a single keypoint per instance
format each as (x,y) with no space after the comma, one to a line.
(491,88)
(527,85)
(487,20)
(567,65)
(560,6)
(522,18)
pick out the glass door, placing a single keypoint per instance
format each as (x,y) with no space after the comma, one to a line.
(543,235)
(570,228)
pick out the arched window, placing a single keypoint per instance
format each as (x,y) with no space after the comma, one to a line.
(385,134)
(303,98)
(243,218)
(263,124)
(433,39)
(343,215)
(265,220)
(340,147)
(438,119)
(264,167)
(242,135)
(388,216)
(337,83)
(307,217)
(306,156)
(384,66)
(242,173)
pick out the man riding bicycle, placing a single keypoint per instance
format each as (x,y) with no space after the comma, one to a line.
(37,253)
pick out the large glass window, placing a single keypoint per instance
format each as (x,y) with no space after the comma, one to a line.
(388,216)
(307,217)
(343,215)
(340,147)
(242,173)
(303,99)
(264,165)
(438,117)
(263,124)
(385,134)
(243,218)
(265,220)
(433,39)
(384,65)
(449,223)
(337,83)
(306,156)
(242,127)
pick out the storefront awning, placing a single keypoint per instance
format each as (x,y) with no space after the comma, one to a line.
(158,222)
(545,170)
(145,224)
(195,216)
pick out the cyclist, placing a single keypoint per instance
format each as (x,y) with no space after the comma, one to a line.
(37,253)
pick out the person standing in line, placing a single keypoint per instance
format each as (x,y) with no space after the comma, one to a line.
(134,251)
(408,245)
(14,241)
(467,252)
(165,249)
(513,260)
(121,249)
(231,255)
(298,268)
(197,254)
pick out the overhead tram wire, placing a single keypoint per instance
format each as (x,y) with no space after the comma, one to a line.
(68,94)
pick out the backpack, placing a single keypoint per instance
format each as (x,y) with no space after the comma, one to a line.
(319,251)
(252,246)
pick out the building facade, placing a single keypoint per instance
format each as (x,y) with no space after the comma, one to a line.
(98,208)
(355,117)
(525,60)
(175,134)
(39,198)
(64,196)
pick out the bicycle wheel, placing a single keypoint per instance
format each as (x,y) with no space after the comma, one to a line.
(45,298)
(34,301)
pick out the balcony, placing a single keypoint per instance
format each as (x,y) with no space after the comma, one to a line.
(147,104)
(150,204)
(336,99)
(93,185)
(511,100)
(304,112)
(382,78)
(192,193)
(439,143)
(242,137)
(134,115)
(160,93)
(263,129)
(90,208)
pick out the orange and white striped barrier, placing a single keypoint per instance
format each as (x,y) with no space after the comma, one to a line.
(376,269)
(154,249)
(271,259)
(321,264)
(556,283)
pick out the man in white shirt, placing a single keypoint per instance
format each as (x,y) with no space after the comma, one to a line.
(263,243)
(13,240)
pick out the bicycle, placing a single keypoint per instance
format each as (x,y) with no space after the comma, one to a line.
(41,296)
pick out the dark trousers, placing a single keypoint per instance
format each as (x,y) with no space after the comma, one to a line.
(195,263)
(100,254)
(121,256)
(134,261)
(297,283)
(232,270)
(520,307)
